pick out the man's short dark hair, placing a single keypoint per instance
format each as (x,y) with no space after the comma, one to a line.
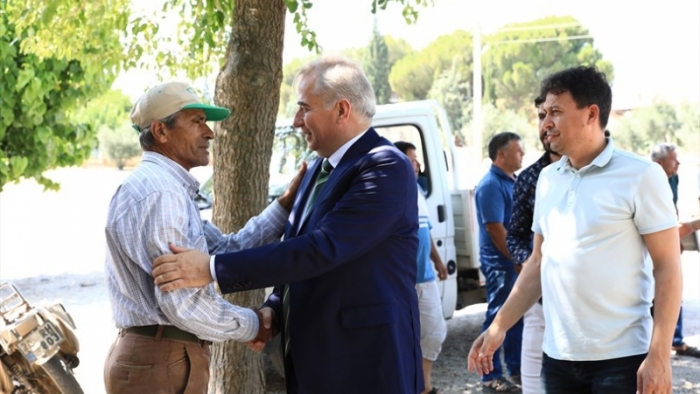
(538,101)
(586,85)
(146,138)
(500,141)
(404,146)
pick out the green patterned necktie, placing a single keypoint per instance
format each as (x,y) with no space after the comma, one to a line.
(326,168)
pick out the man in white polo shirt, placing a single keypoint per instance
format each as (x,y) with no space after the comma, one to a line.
(605,246)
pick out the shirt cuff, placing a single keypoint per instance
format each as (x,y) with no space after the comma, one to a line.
(250,317)
(212,267)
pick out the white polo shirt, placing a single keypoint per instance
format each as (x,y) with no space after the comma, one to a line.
(597,282)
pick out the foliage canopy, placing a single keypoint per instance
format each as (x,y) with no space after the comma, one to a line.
(45,75)
(520,55)
(639,130)
(56,55)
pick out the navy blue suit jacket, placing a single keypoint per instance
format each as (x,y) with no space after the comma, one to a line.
(351,267)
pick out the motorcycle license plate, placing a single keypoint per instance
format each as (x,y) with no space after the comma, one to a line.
(41,343)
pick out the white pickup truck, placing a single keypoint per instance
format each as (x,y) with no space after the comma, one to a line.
(452,211)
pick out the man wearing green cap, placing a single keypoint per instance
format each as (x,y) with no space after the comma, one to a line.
(163,341)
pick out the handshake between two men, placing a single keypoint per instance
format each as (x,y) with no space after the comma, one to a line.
(190,268)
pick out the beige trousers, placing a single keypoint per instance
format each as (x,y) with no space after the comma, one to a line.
(140,364)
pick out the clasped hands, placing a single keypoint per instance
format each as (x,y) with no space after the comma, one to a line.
(190,268)
(268,328)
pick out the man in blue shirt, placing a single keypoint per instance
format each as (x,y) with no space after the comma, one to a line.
(494,206)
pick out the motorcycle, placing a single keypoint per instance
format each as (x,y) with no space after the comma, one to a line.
(38,346)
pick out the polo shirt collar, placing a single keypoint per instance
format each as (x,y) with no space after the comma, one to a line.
(600,161)
(500,173)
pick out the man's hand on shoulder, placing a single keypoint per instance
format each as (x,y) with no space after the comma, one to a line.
(287,198)
(184,268)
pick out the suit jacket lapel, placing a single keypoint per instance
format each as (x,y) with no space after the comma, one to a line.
(307,184)
(356,151)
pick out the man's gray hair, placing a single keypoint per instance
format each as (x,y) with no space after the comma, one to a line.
(146,135)
(662,150)
(338,78)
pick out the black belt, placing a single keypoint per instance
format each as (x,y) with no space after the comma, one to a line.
(166,332)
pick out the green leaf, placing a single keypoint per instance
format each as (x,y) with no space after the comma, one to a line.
(25,76)
(43,134)
(292,5)
(49,12)
(7,117)
(17,166)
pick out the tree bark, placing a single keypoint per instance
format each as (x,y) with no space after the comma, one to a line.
(249,85)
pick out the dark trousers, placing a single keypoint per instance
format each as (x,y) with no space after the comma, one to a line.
(500,278)
(678,333)
(614,376)
(140,364)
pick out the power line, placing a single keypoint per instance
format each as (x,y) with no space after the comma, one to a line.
(539,27)
(549,39)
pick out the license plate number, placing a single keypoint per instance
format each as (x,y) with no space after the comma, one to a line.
(41,342)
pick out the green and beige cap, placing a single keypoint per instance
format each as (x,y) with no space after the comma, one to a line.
(165,99)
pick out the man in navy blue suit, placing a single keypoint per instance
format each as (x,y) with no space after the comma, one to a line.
(344,300)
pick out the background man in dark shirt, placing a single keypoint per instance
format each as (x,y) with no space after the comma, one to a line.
(519,241)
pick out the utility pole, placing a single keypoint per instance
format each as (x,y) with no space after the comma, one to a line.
(477,119)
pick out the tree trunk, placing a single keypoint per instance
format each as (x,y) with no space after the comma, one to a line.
(249,85)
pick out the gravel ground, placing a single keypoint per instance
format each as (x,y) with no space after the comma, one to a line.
(449,371)
(451,377)
(85,297)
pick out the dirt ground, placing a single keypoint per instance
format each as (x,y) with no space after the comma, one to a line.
(52,246)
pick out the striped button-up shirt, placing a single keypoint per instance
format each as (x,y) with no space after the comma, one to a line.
(154,206)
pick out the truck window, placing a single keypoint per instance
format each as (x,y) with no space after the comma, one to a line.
(289,150)
(410,133)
